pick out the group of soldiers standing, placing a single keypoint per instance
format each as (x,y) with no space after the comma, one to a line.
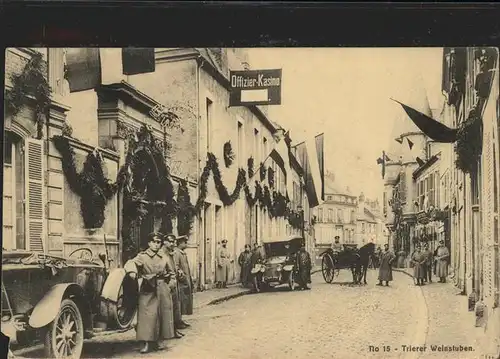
(424,260)
(165,289)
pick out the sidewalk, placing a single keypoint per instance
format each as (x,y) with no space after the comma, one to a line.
(449,321)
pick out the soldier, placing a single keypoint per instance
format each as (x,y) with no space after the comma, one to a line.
(154,316)
(185,281)
(428,263)
(245,263)
(169,242)
(223,261)
(304,266)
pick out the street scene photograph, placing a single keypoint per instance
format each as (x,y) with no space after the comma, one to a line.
(253,203)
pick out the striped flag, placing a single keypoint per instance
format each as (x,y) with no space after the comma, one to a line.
(87,68)
(313,166)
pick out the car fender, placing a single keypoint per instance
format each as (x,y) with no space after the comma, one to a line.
(111,287)
(47,308)
(288,267)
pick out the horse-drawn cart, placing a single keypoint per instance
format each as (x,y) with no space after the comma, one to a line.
(350,257)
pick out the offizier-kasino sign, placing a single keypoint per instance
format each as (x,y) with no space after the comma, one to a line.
(255,87)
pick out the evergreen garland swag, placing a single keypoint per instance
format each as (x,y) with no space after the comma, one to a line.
(262,171)
(94,189)
(30,82)
(270,177)
(468,146)
(250,167)
(186,210)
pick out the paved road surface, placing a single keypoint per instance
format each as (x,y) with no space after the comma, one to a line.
(330,321)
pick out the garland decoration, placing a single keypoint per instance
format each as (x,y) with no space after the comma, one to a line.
(250,167)
(468,146)
(295,219)
(186,210)
(30,82)
(258,193)
(226,198)
(280,204)
(270,177)
(262,171)
(228,154)
(94,189)
(266,202)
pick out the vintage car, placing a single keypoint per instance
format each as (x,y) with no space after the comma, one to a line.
(59,302)
(279,266)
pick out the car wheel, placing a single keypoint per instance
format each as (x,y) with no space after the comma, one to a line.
(291,281)
(64,337)
(123,312)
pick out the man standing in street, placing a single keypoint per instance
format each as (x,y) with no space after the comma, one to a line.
(385,270)
(223,261)
(245,263)
(185,281)
(428,263)
(442,256)
(304,266)
(257,257)
(169,243)
(155,319)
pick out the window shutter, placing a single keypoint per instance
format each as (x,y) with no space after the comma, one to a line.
(34,194)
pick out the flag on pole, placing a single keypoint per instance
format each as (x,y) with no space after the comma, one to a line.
(320,151)
(281,155)
(312,161)
(420,161)
(381,161)
(430,127)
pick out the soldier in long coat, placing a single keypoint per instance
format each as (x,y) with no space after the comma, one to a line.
(442,256)
(223,261)
(428,263)
(245,263)
(418,260)
(385,269)
(154,316)
(304,266)
(169,243)
(185,281)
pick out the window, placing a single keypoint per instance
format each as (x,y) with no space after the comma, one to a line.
(329,198)
(264,148)
(353,216)
(363,227)
(209,114)
(320,215)
(241,146)
(330,215)
(256,149)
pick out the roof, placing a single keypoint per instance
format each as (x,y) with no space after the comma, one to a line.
(332,188)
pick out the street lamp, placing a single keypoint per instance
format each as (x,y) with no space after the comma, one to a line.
(301,211)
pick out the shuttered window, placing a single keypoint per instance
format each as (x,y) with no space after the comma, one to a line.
(8,196)
(34,193)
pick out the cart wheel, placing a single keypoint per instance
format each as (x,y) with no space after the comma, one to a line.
(327,268)
(291,281)
(64,337)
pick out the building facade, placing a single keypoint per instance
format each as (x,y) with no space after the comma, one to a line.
(137,140)
(454,189)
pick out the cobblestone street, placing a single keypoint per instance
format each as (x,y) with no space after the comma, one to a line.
(330,321)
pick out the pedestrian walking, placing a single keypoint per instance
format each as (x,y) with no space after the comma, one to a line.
(185,280)
(385,270)
(428,263)
(155,319)
(442,256)
(169,242)
(304,266)
(418,260)
(223,261)
(245,263)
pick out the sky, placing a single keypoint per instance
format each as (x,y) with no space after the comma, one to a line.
(345,93)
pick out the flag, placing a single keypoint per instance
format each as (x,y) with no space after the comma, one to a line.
(83,68)
(138,60)
(430,127)
(311,162)
(87,68)
(399,140)
(410,144)
(381,161)
(420,161)
(320,144)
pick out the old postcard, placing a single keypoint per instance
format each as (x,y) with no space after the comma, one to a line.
(251,203)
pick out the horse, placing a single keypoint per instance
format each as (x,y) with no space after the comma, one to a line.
(363,260)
